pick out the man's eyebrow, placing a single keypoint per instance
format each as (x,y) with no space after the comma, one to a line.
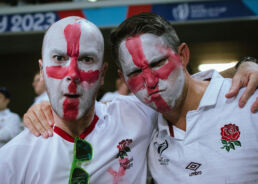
(132,69)
(90,53)
(129,69)
(57,51)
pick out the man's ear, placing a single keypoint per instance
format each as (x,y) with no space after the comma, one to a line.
(7,101)
(120,73)
(184,54)
(103,73)
(41,69)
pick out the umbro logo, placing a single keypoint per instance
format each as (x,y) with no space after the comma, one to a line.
(194,166)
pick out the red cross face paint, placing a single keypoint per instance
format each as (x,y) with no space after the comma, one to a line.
(72,60)
(152,71)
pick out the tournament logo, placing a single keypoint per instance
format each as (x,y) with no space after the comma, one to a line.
(194,166)
(229,137)
(181,12)
(160,148)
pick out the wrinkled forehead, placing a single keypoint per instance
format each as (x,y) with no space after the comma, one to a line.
(74,29)
(145,46)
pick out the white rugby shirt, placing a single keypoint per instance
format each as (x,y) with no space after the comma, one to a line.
(201,155)
(28,159)
(9,126)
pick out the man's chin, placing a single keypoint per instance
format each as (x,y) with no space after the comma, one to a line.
(70,117)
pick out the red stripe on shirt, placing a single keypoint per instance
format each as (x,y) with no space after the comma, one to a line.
(171,130)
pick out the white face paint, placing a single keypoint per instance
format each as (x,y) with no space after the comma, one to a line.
(72,60)
(152,70)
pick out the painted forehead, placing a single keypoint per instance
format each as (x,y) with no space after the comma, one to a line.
(151,46)
(90,37)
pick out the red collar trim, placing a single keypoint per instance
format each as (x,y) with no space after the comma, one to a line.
(87,131)
(171,130)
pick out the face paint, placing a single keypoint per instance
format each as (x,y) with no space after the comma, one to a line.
(73,81)
(59,72)
(152,70)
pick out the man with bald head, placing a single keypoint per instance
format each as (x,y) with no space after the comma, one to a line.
(72,63)
(92,142)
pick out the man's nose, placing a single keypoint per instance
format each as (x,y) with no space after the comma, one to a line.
(73,71)
(150,77)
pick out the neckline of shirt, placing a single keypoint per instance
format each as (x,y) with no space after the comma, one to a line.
(86,132)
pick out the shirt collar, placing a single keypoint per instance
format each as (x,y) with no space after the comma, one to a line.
(203,75)
(86,132)
(212,92)
(209,98)
(162,126)
(100,110)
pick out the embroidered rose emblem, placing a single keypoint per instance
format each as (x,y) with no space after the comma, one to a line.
(230,132)
(124,144)
(229,137)
(123,147)
(125,163)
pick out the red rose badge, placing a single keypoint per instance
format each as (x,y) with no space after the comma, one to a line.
(123,147)
(229,137)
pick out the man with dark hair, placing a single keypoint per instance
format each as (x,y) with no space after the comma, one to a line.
(202,136)
(9,121)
